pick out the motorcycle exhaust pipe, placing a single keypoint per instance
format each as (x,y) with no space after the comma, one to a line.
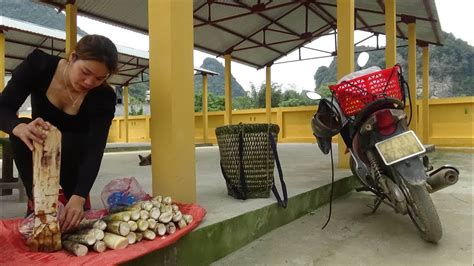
(441,178)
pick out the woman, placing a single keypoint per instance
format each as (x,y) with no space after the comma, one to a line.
(71,94)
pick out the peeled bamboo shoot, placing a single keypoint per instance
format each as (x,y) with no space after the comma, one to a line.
(188,218)
(167,200)
(133,226)
(151,223)
(182,224)
(144,215)
(85,239)
(148,234)
(75,248)
(170,228)
(142,225)
(160,229)
(118,227)
(155,213)
(132,238)
(95,232)
(119,216)
(139,237)
(99,246)
(114,241)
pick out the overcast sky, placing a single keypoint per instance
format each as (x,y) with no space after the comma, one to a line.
(455,17)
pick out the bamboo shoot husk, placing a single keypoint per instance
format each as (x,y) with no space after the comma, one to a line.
(46,234)
(114,241)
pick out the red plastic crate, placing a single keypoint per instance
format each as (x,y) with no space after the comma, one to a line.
(353,95)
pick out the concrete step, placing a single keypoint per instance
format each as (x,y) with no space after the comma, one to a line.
(209,243)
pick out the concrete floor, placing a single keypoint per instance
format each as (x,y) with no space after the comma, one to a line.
(352,237)
(355,237)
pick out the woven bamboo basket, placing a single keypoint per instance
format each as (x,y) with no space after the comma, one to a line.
(257,158)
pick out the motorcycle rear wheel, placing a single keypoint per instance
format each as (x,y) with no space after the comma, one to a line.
(423,212)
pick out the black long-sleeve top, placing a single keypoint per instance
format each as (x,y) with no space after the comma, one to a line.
(33,77)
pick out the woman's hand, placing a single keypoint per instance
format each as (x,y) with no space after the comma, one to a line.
(31,132)
(72,214)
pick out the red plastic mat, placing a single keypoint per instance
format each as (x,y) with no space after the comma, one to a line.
(13,251)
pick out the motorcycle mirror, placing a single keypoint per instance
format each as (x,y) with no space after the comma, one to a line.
(362,59)
(313,95)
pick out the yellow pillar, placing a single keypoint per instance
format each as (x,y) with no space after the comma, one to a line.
(170,25)
(390,33)
(345,56)
(71,27)
(2,68)
(426,95)
(125,110)
(204,107)
(268,94)
(412,73)
(228,90)
(2,60)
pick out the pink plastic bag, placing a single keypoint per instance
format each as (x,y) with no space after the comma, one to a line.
(122,192)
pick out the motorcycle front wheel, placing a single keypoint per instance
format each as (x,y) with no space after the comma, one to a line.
(422,212)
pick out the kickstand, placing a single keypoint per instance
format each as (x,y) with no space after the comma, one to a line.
(378,201)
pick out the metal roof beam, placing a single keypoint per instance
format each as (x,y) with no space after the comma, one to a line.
(240,36)
(380,12)
(265,27)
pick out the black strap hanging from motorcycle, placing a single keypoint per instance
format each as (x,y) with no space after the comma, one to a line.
(243,194)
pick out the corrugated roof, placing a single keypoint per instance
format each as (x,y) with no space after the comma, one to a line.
(257,33)
(21,38)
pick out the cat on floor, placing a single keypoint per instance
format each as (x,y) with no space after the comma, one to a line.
(144,160)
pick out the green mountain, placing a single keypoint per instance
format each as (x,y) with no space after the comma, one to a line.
(32,12)
(216,83)
(451,68)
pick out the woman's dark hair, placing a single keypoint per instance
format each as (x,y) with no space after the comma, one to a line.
(98,48)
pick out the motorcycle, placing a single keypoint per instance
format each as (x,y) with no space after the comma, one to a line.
(388,159)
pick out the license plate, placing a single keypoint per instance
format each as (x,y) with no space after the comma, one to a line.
(400,147)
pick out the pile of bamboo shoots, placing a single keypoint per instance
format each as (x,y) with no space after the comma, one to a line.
(127,225)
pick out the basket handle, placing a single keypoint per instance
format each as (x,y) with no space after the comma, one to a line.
(283,203)
(240,194)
